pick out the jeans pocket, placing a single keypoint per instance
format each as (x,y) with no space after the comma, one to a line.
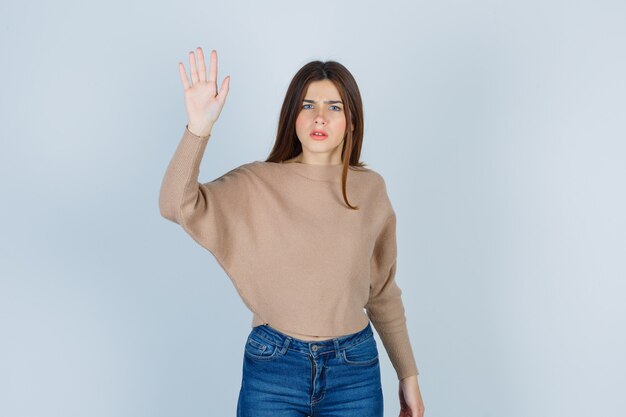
(363,353)
(259,349)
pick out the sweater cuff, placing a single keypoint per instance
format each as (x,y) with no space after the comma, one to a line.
(401,354)
(190,133)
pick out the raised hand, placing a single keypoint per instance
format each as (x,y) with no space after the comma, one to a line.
(202,100)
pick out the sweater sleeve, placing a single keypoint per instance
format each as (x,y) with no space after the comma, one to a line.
(385,308)
(208,212)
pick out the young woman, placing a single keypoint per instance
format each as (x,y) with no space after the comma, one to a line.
(308,239)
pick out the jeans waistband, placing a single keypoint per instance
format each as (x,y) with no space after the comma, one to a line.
(314,347)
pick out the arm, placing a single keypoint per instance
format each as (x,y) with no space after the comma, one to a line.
(385,308)
(386,311)
(209,212)
(180,190)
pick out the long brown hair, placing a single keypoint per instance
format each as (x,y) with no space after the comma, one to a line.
(287,144)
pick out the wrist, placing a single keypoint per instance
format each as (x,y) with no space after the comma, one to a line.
(202,131)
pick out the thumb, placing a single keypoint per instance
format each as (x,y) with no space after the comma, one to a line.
(224,89)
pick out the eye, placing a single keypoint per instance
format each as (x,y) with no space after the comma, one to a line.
(337,107)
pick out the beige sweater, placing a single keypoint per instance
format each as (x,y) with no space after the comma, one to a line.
(299,258)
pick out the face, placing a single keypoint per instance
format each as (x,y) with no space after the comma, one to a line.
(322,110)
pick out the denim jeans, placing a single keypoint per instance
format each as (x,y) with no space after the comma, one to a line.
(288,377)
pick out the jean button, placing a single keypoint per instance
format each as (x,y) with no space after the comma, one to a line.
(314,348)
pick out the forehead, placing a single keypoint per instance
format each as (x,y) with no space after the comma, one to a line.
(322,89)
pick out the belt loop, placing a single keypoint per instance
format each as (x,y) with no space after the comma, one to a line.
(336,342)
(285,345)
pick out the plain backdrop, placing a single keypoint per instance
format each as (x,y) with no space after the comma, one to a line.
(499,127)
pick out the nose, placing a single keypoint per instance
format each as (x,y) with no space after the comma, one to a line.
(320,119)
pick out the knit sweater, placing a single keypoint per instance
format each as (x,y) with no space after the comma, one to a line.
(299,258)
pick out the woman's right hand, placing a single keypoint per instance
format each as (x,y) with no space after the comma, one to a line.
(202,101)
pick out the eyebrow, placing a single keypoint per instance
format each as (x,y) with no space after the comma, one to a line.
(327,101)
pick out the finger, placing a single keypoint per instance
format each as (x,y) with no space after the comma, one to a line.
(213,69)
(183,75)
(201,65)
(194,69)
(224,90)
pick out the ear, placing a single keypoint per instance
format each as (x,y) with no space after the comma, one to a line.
(352,126)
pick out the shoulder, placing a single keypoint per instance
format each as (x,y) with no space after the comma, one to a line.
(258,169)
(256,172)
(243,169)
(379,191)
(235,176)
(374,179)
(375,176)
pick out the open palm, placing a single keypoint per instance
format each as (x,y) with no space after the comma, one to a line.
(202,100)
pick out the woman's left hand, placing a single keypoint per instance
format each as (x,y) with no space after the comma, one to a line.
(411,404)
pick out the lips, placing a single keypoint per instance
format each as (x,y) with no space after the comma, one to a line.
(321,135)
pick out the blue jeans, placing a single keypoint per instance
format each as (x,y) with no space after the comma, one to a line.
(288,377)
